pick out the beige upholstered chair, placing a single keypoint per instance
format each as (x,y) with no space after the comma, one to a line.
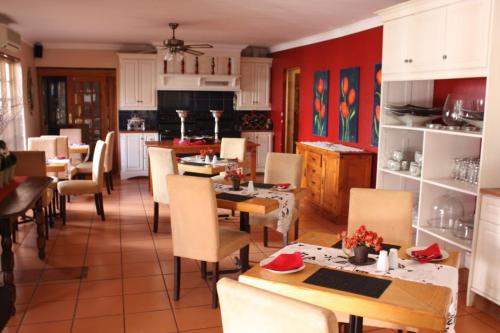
(388,212)
(280,168)
(246,309)
(233,148)
(94,186)
(62,149)
(47,145)
(195,229)
(162,162)
(33,163)
(74,137)
(86,167)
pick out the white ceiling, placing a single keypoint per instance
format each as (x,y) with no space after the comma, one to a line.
(252,22)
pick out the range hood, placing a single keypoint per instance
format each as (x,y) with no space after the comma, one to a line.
(200,82)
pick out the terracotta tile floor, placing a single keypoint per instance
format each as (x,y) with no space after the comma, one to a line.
(127,287)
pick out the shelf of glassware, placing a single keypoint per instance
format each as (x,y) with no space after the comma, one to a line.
(447,236)
(471,134)
(454,185)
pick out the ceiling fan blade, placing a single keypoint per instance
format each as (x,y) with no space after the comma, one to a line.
(200,46)
(193,52)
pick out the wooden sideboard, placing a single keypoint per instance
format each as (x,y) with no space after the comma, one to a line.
(329,175)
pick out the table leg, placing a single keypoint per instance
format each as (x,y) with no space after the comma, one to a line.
(40,229)
(355,324)
(253,164)
(8,259)
(244,226)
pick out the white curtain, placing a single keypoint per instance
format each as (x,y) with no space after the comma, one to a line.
(12,127)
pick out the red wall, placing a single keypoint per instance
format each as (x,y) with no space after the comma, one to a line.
(473,87)
(363,49)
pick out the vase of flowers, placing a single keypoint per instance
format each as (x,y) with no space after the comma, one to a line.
(235,176)
(361,242)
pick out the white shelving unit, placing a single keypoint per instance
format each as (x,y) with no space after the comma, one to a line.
(408,78)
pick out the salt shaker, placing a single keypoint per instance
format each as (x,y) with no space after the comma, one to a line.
(393,258)
(250,187)
(382,262)
(214,160)
(207,159)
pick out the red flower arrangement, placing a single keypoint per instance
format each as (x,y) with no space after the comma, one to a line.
(362,237)
(234,175)
(205,152)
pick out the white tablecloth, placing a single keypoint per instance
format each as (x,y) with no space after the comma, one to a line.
(286,203)
(412,270)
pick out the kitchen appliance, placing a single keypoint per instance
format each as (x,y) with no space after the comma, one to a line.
(136,123)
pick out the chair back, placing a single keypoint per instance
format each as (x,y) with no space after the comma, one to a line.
(387,212)
(30,163)
(283,168)
(46,144)
(233,148)
(110,146)
(62,148)
(162,162)
(193,216)
(247,309)
(74,135)
(98,163)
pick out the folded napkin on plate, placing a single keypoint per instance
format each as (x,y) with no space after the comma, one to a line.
(428,254)
(285,262)
(282,186)
(61,157)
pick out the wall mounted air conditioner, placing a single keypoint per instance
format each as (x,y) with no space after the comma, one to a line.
(9,39)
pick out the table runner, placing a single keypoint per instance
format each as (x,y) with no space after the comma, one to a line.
(286,203)
(412,270)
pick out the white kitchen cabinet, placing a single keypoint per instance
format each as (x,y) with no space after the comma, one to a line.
(137,82)
(265,141)
(255,84)
(486,261)
(430,41)
(134,155)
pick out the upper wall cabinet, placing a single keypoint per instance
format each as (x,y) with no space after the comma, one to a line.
(137,82)
(255,84)
(436,39)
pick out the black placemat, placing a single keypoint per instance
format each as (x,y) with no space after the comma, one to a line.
(349,282)
(384,246)
(232,197)
(259,185)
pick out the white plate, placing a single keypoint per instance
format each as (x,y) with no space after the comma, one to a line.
(444,254)
(288,189)
(268,260)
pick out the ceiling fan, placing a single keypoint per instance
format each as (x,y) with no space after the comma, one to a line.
(176,47)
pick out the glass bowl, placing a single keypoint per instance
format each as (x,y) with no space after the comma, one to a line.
(445,211)
(464,227)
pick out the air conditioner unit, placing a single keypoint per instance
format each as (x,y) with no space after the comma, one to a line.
(9,39)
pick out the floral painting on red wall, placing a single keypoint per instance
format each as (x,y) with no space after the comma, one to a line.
(320,103)
(376,105)
(349,104)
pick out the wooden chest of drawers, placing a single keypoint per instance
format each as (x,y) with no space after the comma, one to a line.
(330,175)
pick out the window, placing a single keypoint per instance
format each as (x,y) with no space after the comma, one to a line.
(12,128)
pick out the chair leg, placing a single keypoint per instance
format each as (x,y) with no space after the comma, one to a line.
(155,216)
(177,278)
(14,231)
(69,200)
(266,235)
(203,269)
(215,278)
(47,222)
(108,185)
(101,206)
(296,231)
(111,180)
(62,208)
(245,258)
(96,200)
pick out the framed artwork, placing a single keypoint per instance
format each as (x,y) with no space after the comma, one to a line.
(349,104)
(320,103)
(376,104)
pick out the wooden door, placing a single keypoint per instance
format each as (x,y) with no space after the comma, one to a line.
(330,183)
(292,93)
(467,34)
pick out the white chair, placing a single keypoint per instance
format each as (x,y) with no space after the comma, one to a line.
(280,168)
(162,162)
(94,186)
(246,309)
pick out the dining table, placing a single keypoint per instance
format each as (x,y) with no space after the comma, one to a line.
(404,303)
(24,193)
(82,149)
(191,165)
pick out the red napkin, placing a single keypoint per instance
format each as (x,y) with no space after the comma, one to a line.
(428,254)
(61,157)
(285,262)
(282,186)
(177,158)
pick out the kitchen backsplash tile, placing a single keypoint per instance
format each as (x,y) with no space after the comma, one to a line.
(150,119)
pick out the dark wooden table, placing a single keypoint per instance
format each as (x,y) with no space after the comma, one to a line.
(26,196)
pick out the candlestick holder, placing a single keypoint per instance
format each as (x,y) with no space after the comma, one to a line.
(216,114)
(183,115)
